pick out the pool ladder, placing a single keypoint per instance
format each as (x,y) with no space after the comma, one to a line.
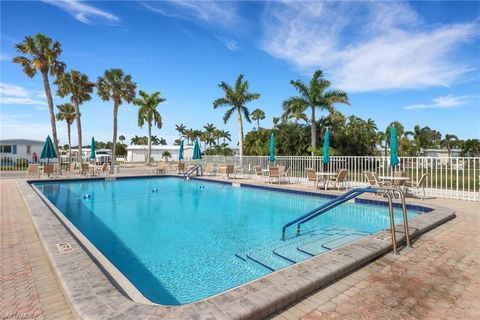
(388,192)
(196,168)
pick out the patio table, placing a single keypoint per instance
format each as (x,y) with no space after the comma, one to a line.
(396,181)
(324,177)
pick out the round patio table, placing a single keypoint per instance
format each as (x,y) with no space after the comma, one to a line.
(398,181)
(324,177)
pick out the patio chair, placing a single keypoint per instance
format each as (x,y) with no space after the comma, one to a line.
(420,184)
(399,183)
(273,173)
(312,176)
(72,168)
(85,169)
(209,169)
(161,168)
(239,171)
(340,179)
(33,169)
(229,169)
(104,169)
(381,182)
(181,168)
(258,171)
(374,181)
(48,169)
(284,174)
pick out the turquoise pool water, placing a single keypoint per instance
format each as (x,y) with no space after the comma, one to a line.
(192,239)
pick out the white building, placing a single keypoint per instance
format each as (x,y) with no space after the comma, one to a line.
(21,148)
(139,153)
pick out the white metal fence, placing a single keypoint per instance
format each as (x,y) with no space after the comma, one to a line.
(454,177)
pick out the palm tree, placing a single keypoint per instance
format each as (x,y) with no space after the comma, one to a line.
(314,95)
(66,112)
(226,136)
(210,133)
(258,115)
(180,129)
(42,55)
(148,113)
(137,141)
(122,138)
(76,85)
(119,88)
(295,112)
(189,135)
(236,99)
(449,141)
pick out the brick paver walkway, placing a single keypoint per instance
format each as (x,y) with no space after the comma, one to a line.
(28,287)
(437,279)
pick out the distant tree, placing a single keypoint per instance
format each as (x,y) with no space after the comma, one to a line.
(449,141)
(258,115)
(41,54)
(235,99)
(181,129)
(66,112)
(122,138)
(470,148)
(117,87)
(209,134)
(166,155)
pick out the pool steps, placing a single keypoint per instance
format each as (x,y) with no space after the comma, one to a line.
(280,254)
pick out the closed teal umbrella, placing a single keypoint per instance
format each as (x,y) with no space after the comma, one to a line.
(272,147)
(326,146)
(197,154)
(393,147)
(48,151)
(92,149)
(180,153)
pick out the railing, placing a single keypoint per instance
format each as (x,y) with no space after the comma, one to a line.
(453,177)
(193,169)
(351,194)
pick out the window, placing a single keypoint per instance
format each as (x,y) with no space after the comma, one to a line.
(14,149)
(5,149)
(28,149)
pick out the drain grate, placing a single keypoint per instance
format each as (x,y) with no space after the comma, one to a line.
(64,248)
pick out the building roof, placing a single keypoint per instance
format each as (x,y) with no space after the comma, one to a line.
(168,147)
(21,141)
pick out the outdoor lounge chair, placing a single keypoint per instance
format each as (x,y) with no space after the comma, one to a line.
(85,169)
(239,171)
(209,169)
(229,169)
(374,181)
(161,168)
(33,169)
(104,169)
(258,171)
(312,176)
(48,169)
(273,173)
(340,179)
(420,184)
(284,174)
(181,168)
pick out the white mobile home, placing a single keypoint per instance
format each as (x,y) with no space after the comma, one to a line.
(139,153)
(21,149)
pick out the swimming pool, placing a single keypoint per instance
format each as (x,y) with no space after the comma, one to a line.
(180,241)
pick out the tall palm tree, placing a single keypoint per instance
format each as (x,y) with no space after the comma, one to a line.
(76,85)
(226,135)
(236,99)
(258,115)
(117,87)
(41,54)
(315,95)
(449,141)
(122,138)
(148,113)
(189,135)
(66,112)
(294,112)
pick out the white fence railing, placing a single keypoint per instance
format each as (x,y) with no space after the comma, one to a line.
(454,177)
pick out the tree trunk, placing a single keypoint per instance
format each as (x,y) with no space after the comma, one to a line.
(79,133)
(69,145)
(48,93)
(313,131)
(114,146)
(240,131)
(149,152)
(258,124)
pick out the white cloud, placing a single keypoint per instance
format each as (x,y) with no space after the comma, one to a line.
(444,102)
(366,46)
(15,95)
(84,12)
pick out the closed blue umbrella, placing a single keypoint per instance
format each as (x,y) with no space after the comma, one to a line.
(393,147)
(92,149)
(180,153)
(326,146)
(48,150)
(197,154)
(272,147)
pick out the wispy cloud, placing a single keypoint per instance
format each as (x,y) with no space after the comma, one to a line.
(366,46)
(444,102)
(16,95)
(84,12)
(216,15)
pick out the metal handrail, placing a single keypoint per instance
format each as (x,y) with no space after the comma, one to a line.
(387,191)
(193,169)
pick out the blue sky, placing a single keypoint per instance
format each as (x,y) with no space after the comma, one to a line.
(415,62)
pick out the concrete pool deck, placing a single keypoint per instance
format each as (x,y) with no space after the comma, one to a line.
(313,303)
